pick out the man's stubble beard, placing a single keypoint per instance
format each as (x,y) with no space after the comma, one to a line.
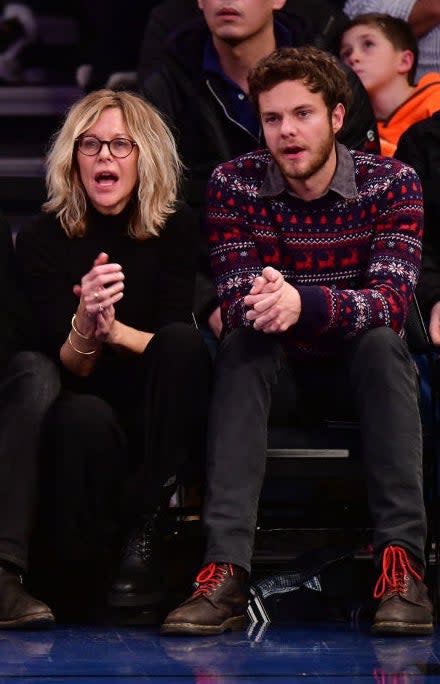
(322,156)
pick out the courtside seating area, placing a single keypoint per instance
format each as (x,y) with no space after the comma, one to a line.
(324,466)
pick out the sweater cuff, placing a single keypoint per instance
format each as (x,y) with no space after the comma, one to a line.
(314,315)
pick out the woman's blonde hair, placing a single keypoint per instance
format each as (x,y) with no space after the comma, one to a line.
(159,167)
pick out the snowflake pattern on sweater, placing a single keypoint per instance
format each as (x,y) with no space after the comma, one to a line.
(354,261)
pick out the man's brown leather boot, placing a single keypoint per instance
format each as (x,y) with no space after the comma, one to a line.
(405,607)
(17,607)
(218,604)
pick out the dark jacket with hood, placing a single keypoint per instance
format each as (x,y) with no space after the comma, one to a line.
(323,23)
(197,107)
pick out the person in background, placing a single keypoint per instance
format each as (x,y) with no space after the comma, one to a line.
(382,50)
(419,147)
(29,383)
(109,267)
(315,251)
(422,15)
(320,22)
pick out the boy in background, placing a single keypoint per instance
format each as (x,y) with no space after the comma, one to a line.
(382,50)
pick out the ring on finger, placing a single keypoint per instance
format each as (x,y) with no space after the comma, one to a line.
(96,295)
(100,308)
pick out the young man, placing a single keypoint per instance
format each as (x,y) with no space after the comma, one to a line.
(315,251)
(382,50)
(201,88)
(323,22)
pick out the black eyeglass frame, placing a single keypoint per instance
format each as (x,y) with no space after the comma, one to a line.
(105,142)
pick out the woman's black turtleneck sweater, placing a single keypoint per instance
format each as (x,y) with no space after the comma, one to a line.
(159,272)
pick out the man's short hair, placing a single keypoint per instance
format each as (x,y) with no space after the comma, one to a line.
(396,30)
(318,70)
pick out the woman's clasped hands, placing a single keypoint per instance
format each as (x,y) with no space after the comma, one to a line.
(101,288)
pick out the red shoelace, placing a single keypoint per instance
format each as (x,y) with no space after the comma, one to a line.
(395,567)
(210,577)
(381,677)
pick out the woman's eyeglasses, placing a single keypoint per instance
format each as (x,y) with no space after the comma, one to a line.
(91,146)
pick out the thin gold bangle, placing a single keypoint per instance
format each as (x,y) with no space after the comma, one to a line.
(80,334)
(78,351)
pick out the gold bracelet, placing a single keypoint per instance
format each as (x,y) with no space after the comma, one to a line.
(72,323)
(78,351)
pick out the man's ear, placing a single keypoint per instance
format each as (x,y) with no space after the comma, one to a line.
(200,4)
(338,115)
(278,4)
(406,61)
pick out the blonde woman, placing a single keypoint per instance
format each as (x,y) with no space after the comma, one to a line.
(110,267)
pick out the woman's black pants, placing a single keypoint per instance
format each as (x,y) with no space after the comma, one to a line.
(111,463)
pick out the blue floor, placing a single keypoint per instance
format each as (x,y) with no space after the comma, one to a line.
(281,655)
